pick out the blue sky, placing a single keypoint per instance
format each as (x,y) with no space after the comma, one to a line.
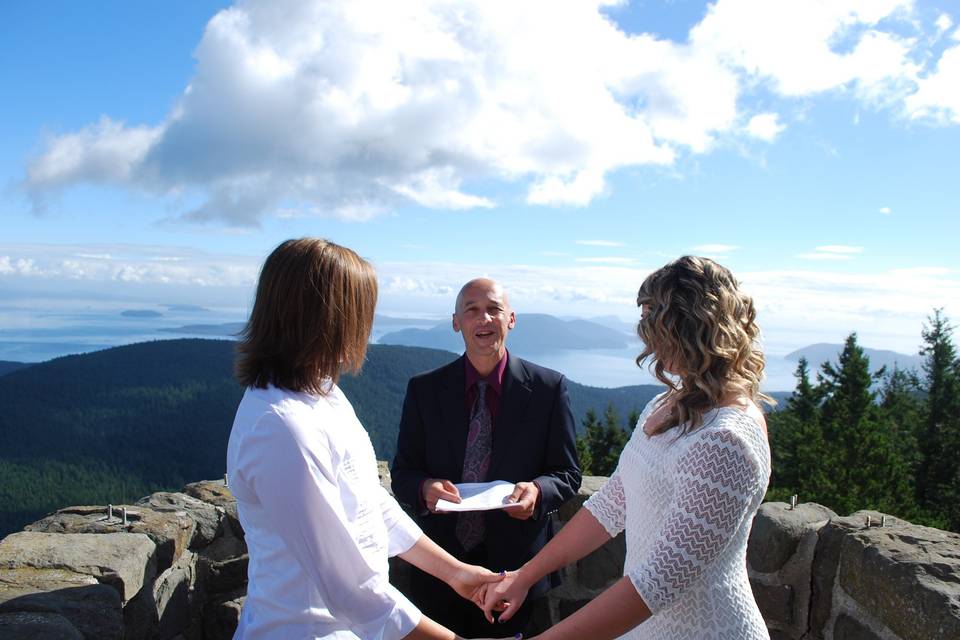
(155,152)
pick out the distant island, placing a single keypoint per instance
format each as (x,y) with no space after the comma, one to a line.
(141,313)
(223,330)
(817,354)
(187,308)
(534,333)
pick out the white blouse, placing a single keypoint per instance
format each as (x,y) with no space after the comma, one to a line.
(319,526)
(687,504)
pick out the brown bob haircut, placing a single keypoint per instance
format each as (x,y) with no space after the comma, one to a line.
(311,318)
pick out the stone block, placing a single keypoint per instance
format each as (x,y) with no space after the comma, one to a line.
(849,628)
(222,615)
(222,566)
(208,517)
(777,531)
(907,576)
(177,605)
(603,567)
(171,531)
(93,610)
(218,494)
(125,561)
(824,572)
(775,602)
(29,625)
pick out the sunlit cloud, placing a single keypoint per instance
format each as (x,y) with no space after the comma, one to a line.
(765,126)
(886,211)
(350,109)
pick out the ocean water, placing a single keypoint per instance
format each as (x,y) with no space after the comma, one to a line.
(50,335)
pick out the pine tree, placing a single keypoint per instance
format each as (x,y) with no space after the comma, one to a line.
(800,453)
(865,462)
(939,436)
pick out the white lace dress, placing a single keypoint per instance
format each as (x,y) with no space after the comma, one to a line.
(687,504)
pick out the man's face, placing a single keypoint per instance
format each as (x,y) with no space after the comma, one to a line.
(484,317)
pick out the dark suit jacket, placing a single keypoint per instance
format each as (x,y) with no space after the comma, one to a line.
(533,439)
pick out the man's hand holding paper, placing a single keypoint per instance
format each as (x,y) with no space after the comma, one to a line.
(482,496)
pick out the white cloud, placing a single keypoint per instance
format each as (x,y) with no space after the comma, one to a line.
(765,126)
(126,264)
(886,210)
(944,22)
(348,108)
(833,252)
(600,243)
(793,43)
(823,305)
(938,93)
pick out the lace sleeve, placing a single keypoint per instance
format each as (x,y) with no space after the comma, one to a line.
(609,505)
(716,482)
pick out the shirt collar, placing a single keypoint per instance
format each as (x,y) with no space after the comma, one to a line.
(494,379)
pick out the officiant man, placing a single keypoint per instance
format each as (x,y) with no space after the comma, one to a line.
(486,416)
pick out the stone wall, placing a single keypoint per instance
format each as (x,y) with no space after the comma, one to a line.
(177,571)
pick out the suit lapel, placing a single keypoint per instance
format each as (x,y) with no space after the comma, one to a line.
(453,412)
(516,394)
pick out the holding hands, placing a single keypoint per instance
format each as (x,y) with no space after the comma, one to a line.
(505,596)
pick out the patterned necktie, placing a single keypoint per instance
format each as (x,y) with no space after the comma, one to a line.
(476,460)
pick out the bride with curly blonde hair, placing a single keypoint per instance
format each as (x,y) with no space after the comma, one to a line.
(688,482)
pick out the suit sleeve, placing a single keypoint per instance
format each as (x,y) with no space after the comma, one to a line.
(560,479)
(407,473)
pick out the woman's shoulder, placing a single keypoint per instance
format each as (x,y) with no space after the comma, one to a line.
(737,428)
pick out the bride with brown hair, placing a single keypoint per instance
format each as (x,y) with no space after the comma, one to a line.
(318,525)
(688,482)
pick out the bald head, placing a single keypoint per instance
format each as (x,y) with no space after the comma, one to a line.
(480,288)
(483,318)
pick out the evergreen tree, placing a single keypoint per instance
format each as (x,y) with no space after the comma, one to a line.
(805,401)
(864,461)
(939,436)
(583,455)
(798,448)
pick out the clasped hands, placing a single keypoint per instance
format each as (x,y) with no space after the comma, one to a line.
(525,494)
(504,593)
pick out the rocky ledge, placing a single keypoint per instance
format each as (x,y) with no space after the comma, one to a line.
(175,569)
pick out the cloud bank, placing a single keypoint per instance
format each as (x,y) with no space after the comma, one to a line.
(351,108)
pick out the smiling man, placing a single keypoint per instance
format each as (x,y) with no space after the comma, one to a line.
(486,416)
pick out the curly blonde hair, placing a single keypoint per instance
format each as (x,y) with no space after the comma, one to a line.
(698,325)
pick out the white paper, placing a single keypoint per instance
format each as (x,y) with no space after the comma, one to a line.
(480,496)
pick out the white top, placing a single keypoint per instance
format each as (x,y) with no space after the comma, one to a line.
(687,504)
(319,526)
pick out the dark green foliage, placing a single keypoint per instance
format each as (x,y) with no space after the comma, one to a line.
(115,425)
(940,431)
(602,442)
(851,444)
(7,366)
(938,475)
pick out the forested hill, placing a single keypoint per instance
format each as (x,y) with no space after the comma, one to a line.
(7,366)
(113,425)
